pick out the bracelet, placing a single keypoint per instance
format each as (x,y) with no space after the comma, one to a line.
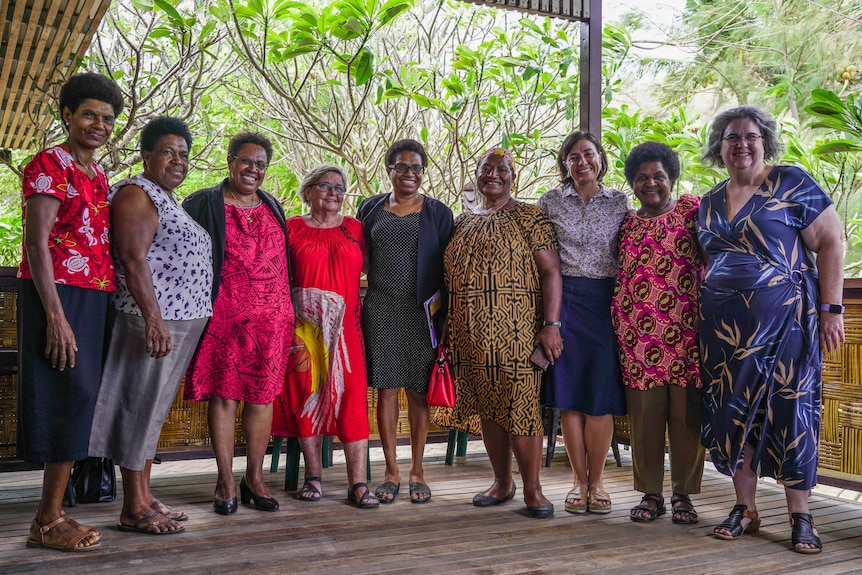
(832,308)
(552,324)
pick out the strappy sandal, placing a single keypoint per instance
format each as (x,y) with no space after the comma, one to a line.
(733,523)
(598,494)
(683,512)
(47,537)
(651,512)
(803,533)
(309,492)
(366,501)
(579,493)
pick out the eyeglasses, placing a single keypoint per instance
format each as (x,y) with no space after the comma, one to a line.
(249,162)
(417,169)
(501,170)
(734,139)
(327,188)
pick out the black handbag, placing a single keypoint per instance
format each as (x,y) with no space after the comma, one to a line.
(94,480)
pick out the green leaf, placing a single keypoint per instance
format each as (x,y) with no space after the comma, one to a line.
(364,67)
(165,7)
(837,147)
(143,5)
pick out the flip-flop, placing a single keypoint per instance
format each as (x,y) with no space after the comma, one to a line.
(419,488)
(144,526)
(168,511)
(387,488)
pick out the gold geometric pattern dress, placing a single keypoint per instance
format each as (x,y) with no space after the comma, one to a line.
(495,311)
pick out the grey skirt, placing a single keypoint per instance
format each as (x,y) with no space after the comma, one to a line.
(137,390)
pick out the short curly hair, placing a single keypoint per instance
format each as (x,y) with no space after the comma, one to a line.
(255,138)
(164,126)
(765,123)
(406,146)
(89,85)
(568,144)
(652,152)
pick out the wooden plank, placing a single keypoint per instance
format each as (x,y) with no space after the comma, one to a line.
(447,535)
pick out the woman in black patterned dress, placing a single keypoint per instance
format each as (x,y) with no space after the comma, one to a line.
(406,234)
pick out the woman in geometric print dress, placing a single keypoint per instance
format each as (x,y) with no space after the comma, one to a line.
(770,308)
(243,353)
(503,276)
(655,311)
(326,390)
(65,279)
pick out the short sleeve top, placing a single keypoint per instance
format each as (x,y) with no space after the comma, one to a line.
(180,258)
(588,233)
(79,241)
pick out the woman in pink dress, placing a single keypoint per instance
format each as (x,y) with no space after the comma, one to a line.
(326,388)
(243,353)
(655,310)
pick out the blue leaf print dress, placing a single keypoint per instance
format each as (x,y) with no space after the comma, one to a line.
(758,331)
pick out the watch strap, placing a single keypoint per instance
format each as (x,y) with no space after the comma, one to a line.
(832,307)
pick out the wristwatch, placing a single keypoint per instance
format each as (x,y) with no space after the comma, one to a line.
(832,308)
(552,323)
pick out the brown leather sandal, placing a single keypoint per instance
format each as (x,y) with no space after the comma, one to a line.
(49,538)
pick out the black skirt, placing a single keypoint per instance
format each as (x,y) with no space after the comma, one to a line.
(56,407)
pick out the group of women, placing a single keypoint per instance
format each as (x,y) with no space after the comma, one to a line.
(703,319)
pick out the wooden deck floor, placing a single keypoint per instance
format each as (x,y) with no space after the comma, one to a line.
(448,535)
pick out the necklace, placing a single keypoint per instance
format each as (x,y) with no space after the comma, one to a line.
(247,211)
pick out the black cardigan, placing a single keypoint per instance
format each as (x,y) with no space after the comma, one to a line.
(206,207)
(436,225)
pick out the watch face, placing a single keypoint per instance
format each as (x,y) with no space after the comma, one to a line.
(832,308)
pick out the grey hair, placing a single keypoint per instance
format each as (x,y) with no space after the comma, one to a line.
(765,123)
(313,176)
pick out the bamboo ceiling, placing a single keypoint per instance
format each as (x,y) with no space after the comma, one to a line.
(41,43)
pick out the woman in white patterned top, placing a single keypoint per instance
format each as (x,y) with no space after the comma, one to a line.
(585,382)
(164,277)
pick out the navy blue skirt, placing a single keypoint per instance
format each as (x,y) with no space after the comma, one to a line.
(56,407)
(586,377)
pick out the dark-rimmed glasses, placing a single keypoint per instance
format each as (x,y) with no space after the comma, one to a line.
(417,169)
(249,162)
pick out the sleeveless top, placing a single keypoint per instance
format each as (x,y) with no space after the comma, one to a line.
(180,258)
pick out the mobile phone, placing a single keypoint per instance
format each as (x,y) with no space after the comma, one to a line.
(539,358)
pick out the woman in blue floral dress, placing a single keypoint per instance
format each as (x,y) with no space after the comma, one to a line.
(770,307)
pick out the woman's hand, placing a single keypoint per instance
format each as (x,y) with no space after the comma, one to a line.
(831,331)
(62,345)
(158,337)
(550,341)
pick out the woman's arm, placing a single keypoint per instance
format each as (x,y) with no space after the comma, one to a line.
(134,222)
(548,262)
(823,237)
(41,215)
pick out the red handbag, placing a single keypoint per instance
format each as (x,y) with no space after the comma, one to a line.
(441,385)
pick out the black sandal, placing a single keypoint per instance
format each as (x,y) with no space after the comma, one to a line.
(685,509)
(367,501)
(803,532)
(733,523)
(660,509)
(309,492)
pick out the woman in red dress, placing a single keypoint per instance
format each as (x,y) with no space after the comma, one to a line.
(243,353)
(326,388)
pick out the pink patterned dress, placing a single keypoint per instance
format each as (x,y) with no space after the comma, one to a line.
(244,351)
(655,305)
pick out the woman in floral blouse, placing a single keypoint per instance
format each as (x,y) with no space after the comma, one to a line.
(655,309)
(66,275)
